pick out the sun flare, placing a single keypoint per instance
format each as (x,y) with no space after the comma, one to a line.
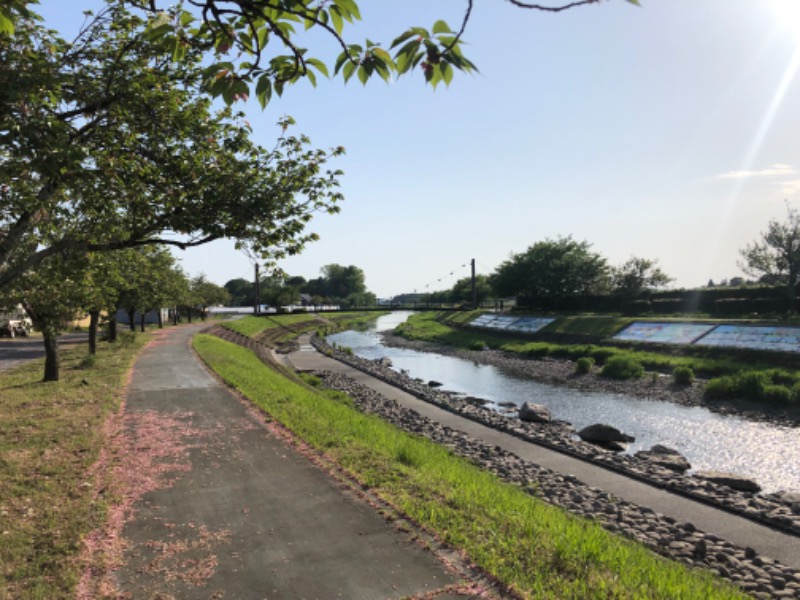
(788,14)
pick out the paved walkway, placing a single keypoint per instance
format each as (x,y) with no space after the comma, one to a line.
(742,532)
(228,510)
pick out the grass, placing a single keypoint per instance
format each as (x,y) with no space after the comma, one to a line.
(538,550)
(251,326)
(50,436)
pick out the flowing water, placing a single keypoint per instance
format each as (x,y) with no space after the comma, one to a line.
(767,453)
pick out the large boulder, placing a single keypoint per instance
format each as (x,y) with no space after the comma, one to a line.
(600,433)
(606,436)
(665,457)
(737,482)
(534,413)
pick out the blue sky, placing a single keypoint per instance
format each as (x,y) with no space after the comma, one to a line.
(669,131)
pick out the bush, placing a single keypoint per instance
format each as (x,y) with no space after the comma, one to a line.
(538,351)
(752,384)
(622,367)
(796,392)
(720,387)
(683,375)
(779,394)
(584,365)
(602,355)
(477,345)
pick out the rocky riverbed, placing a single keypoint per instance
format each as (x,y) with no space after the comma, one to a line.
(758,575)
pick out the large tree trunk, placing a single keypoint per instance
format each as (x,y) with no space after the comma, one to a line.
(160,319)
(142,316)
(131,318)
(112,328)
(51,358)
(94,319)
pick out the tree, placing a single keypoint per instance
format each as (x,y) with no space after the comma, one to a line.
(153,281)
(775,258)
(551,270)
(53,295)
(205,293)
(637,275)
(257,43)
(341,285)
(242,292)
(461,291)
(106,144)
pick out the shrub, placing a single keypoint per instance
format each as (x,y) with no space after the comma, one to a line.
(584,365)
(477,345)
(796,392)
(622,367)
(778,394)
(752,384)
(538,351)
(683,375)
(602,355)
(720,387)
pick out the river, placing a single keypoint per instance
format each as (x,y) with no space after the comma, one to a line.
(767,453)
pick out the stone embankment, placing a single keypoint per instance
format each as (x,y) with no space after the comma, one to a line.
(759,576)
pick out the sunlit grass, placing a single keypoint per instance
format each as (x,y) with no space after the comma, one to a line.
(50,435)
(536,549)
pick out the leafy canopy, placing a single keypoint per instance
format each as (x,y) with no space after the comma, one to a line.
(256,47)
(107,144)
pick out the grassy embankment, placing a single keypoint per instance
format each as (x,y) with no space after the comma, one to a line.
(538,550)
(50,435)
(734,374)
(293,324)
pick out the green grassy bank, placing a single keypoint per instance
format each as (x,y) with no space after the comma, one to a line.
(537,550)
(50,436)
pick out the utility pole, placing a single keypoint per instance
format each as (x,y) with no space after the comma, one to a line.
(257,301)
(474,288)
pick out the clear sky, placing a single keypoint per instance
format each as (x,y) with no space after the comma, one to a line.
(669,132)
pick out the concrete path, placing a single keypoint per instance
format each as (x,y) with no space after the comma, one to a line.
(228,510)
(742,532)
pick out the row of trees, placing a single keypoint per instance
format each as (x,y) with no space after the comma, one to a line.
(68,287)
(337,285)
(555,270)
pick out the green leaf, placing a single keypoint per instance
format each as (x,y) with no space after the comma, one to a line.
(264,90)
(363,75)
(319,66)
(186,18)
(383,56)
(311,77)
(447,73)
(6,23)
(336,19)
(441,27)
(402,38)
(347,71)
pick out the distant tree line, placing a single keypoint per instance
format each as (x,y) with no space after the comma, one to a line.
(566,274)
(337,285)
